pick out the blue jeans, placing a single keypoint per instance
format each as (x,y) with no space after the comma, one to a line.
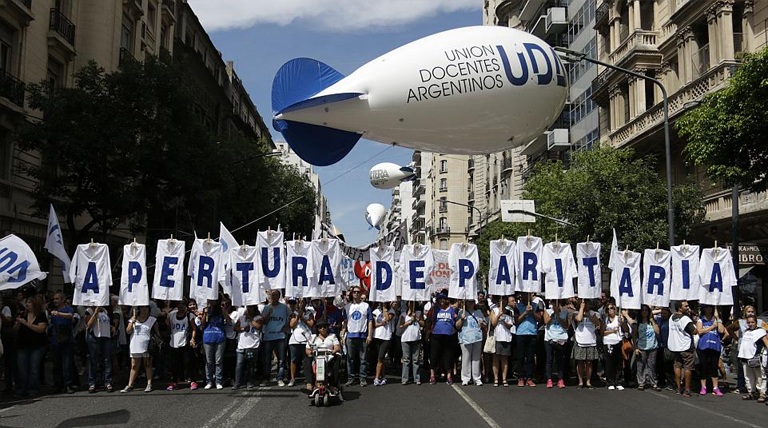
(356,353)
(245,369)
(276,346)
(411,356)
(61,356)
(28,363)
(214,355)
(100,350)
(526,345)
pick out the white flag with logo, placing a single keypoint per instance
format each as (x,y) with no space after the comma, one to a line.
(54,243)
(18,264)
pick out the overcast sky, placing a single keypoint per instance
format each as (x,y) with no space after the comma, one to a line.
(261,35)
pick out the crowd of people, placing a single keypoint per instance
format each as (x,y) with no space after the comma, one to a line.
(496,340)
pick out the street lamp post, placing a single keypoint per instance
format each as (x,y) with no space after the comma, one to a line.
(480,213)
(574,56)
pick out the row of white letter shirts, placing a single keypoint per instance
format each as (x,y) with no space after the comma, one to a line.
(653,278)
(313,269)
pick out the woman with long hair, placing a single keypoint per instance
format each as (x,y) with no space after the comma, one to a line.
(31,342)
(98,335)
(646,337)
(612,329)
(214,338)
(711,334)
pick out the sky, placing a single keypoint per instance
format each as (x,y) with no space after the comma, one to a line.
(261,35)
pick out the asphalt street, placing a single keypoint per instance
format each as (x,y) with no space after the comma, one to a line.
(392,405)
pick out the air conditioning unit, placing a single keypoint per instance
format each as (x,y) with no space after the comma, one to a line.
(556,21)
(557,139)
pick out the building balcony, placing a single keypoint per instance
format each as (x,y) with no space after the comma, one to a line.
(506,165)
(601,14)
(700,61)
(22,8)
(418,203)
(126,57)
(418,189)
(169,9)
(443,188)
(12,88)
(711,81)
(470,164)
(639,40)
(719,205)
(471,195)
(134,8)
(61,32)
(443,230)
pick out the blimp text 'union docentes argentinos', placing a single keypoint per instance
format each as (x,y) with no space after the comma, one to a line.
(471,90)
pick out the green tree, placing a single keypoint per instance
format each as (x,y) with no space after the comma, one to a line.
(127,148)
(604,188)
(728,132)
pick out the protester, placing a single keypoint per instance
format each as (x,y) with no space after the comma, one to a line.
(411,322)
(585,350)
(99,339)
(357,327)
(248,326)
(737,329)
(527,316)
(10,368)
(214,341)
(324,340)
(383,329)
(503,324)
(555,338)
(681,332)
(141,327)
(645,336)
(471,325)
(709,347)
(274,334)
(441,322)
(302,320)
(62,339)
(181,324)
(752,360)
(31,344)
(613,328)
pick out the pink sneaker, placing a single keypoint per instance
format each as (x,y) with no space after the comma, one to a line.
(549,383)
(171,387)
(193,386)
(560,384)
(717,392)
(703,390)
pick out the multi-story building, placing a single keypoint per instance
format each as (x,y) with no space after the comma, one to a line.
(49,40)
(322,212)
(400,211)
(693,48)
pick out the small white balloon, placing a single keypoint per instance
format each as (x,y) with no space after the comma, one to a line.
(387,175)
(374,215)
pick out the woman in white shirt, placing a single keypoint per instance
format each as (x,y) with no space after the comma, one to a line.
(503,324)
(585,349)
(612,329)
(301,321)
(181,324)
(99,339)
(141,327)
(754,372)
(411,322)
(248,326)
(383,328)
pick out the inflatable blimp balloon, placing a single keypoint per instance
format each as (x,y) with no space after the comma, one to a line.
(374,215)
(387,175)
(473,90)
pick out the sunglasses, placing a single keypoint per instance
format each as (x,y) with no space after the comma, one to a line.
(323,326)
(611,309)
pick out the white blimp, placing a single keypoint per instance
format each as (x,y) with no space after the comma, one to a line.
(374,215)
(387,175)
(472,90)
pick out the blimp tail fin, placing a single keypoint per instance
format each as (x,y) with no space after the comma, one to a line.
(294,88)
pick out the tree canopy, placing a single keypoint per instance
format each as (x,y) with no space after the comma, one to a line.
(603,188)
(126,148)
(728,132)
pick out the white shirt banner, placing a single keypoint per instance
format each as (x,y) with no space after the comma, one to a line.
(325,268)
(528,263)
(717,276)
(560,269)
(590,276)
(134,290)
(685,272)
(271,256)
(297,268)
(243,276)
(206,270)
(625,279)
(463,261)
(383,288)
(91,274)
(501,274)
(417,263)
(656,277)
(168,282)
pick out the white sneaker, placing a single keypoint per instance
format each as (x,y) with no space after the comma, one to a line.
(464,383)
(479,383)
(611,388)
(219,386)
(620,388)
(280,383)
(291,383)
(209,386)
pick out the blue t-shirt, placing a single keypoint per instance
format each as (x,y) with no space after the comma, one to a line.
(470,328)
(529,325)
(57,322)
(646,337)
(444,321)
(274,325)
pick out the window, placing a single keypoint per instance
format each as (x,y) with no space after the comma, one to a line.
(55,76)
(582,106)
(6,47)
(443,184)
(151,16)
(126,34)
(578,69)
(582,18)
(443,166)
(443,223)
(443,244)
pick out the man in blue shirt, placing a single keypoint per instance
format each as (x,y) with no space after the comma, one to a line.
(62,344)
(527,317)
(275,321)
